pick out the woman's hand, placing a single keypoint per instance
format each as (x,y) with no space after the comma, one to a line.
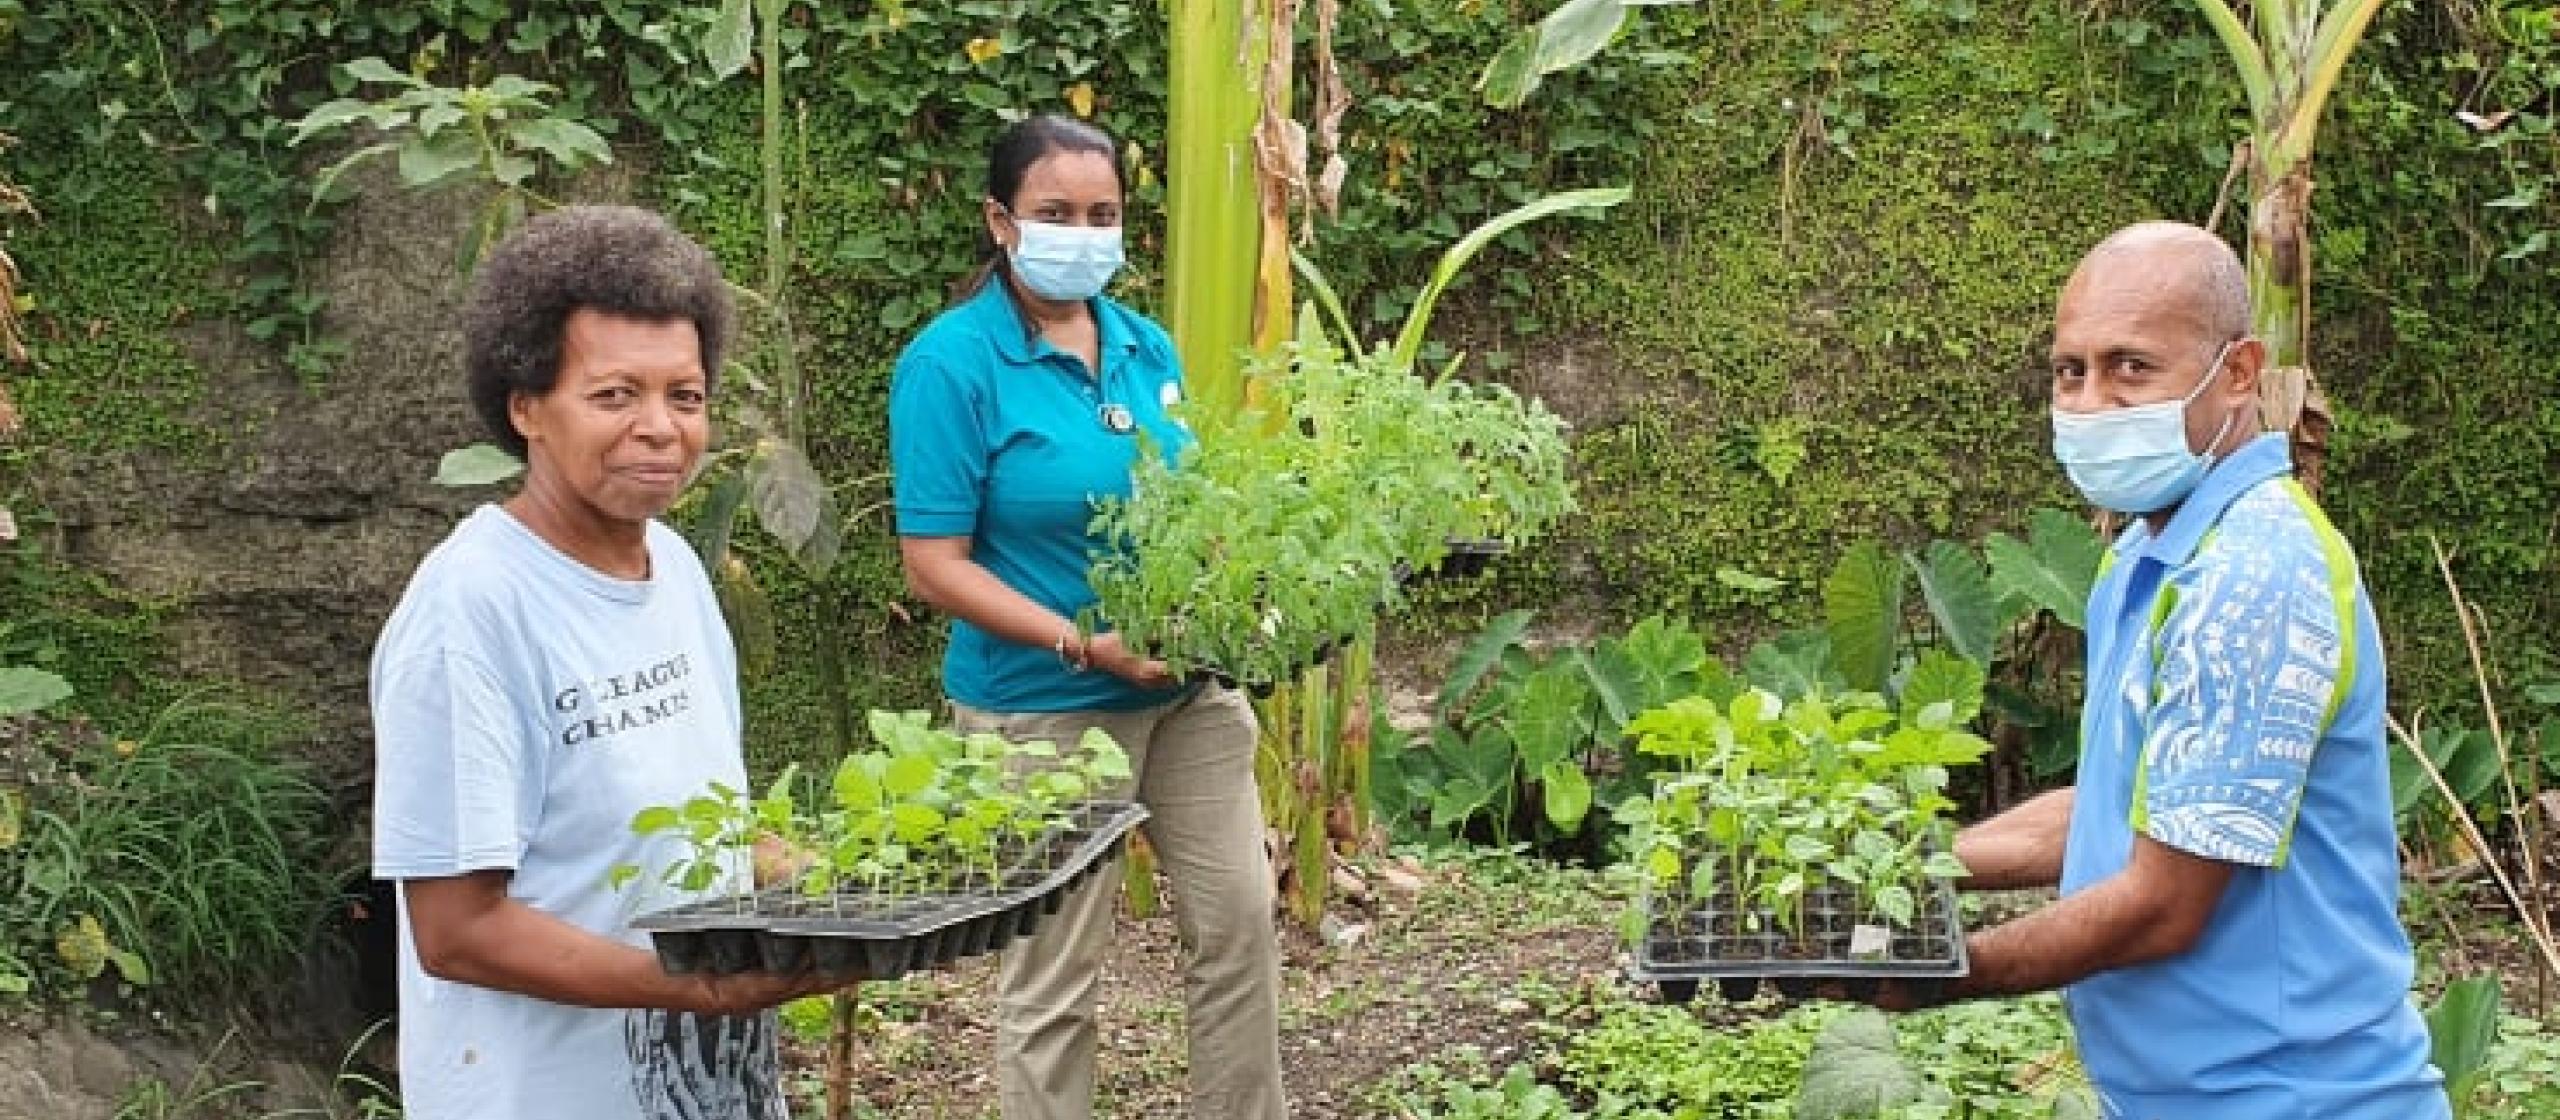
(749,992)
(1107,653)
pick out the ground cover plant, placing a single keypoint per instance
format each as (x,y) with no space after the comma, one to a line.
(184,860)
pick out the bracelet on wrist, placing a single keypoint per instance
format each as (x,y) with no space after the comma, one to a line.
(1083,658)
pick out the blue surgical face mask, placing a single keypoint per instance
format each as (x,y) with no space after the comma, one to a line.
(1063,262)
(2136,460)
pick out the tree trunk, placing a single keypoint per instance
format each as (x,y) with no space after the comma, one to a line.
(2289,396)
(1212,193)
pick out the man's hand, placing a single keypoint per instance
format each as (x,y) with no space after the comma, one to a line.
(2157,907)
(2020,848)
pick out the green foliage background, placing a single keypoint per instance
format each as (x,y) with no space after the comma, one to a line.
(1821,320)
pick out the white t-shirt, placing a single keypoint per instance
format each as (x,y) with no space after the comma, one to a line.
(525,706)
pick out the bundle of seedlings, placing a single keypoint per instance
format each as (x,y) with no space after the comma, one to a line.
(1798,841)
(930,846)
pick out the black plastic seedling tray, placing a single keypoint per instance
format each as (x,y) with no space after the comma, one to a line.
(862,935)
(1709,942)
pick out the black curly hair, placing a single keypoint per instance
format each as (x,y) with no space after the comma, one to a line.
(621,260)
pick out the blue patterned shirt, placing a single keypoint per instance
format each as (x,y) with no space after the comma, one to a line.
(2235,711)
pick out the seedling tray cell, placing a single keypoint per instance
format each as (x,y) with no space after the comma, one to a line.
(1686,943)
(859,934)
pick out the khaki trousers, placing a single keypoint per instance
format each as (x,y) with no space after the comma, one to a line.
(1193,764)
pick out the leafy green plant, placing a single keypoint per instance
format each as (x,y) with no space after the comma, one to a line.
(1531,740)
(1568,36)
(925,811)
(24,690)
(500,134)
(189,858)
(1623,1060)
(2520,1077)
(2497,761)
(1770,801)
(2462,1029)
(1286,529)
(1518,1095)
(2009,610)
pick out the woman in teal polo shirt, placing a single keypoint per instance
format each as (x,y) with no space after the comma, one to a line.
(1009,417)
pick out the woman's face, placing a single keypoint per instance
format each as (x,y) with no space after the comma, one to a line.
(622,428)
(1061,188)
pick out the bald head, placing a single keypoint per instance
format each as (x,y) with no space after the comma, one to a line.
(2187,270)
(2159,312)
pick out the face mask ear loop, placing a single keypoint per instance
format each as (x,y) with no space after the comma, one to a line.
(2228,418)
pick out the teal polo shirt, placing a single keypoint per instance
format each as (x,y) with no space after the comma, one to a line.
(2235,711)
(997,436)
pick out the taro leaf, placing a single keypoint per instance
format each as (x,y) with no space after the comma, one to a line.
(726,42)
(1792,664)
(2464,1028)
(2546,693)
(2469,760)
(1855,1071)
(2409,782)
(1393,779)
(793,504)
(2053,568)
(1549,718)
(1568,793)
(1612,678)
(1501,634)
(1958,590)
(477,465)
(24,690)
(1862,606)
(1457,800)
(1485,759)
(1662,661)
(1942,677)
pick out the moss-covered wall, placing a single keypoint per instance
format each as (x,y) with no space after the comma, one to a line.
(1822,319)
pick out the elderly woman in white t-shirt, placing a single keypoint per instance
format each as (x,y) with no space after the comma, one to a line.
(556,664)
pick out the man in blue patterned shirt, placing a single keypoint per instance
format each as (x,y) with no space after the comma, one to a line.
(2228,935)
